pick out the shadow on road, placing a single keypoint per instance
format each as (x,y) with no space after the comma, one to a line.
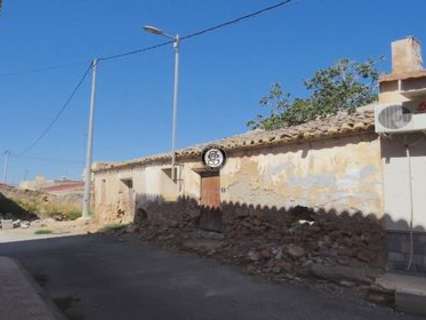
(97,277)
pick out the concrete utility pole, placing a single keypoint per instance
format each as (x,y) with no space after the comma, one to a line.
(175,104)
(176,43)
(6,165)
(89,155)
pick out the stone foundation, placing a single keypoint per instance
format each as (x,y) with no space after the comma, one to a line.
(159,211)
(270,241)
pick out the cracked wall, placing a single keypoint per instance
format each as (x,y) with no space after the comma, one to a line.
(343,174)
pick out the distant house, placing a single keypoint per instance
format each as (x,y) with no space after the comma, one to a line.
(62,187)
(337,164)
(58,187)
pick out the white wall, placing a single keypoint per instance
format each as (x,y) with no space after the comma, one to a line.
(397,202)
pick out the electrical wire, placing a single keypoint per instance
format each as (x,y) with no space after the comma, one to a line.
(43,69)
(236,20)
(198,33)
(136,51)
(58,114)
(156,46)
(133,52)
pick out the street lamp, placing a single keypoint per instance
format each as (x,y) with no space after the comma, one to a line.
(176,41)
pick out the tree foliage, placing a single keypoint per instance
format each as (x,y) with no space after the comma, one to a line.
(345,85)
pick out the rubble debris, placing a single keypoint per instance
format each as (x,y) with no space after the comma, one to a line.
(347,250)
(339,273)
(16,223)
(378,295)
(9,224)
(25,224)
(295,251)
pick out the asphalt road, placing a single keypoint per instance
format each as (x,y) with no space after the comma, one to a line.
(95,277)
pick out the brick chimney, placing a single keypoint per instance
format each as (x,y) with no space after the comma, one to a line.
(406,56)
(407,81)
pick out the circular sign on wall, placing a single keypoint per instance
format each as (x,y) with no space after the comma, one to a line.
(213,157)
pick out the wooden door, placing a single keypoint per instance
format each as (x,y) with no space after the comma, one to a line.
(211,216)
(210,191)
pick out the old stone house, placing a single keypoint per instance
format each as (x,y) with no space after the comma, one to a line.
(332,163)
(337,164)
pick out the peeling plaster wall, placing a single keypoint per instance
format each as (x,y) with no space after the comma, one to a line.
(343,174)
(164,200)
(112,198)
(152,187)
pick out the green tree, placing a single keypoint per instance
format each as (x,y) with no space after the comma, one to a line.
(345,85)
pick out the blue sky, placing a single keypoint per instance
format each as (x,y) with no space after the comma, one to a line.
(223,74)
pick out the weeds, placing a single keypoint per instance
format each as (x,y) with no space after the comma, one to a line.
(113,227)
(43,231)
(73,214)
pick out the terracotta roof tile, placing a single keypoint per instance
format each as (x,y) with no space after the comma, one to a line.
(342,124)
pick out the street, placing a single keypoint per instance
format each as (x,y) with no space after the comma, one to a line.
(97,277)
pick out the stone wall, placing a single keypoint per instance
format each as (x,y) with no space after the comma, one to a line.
(281,244)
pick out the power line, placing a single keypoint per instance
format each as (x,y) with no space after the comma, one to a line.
(136,51)
(43,69)
(139,51)
(236,20)
(58,114)
(162,44)
(198,33)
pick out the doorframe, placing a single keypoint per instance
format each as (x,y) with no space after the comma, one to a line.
(209,173)
(130,193)
(204,172)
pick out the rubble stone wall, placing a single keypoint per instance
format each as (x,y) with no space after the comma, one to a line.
(345,249)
